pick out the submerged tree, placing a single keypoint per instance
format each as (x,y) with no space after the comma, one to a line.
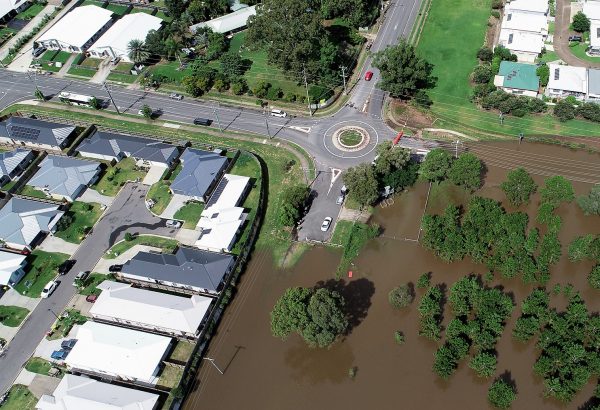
(518,187)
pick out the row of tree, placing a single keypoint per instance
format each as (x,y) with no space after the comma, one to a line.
(587,247)
(464,171)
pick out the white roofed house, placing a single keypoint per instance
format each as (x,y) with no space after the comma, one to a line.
(527,46)
(228,23)
(77,30)
(594,47)
(12,268)
(524,28)
(593,94)
(8,8)
(118,353)
(113,43)
(149,310)
(529,6)
(591,8)
(567,81)
(82,393)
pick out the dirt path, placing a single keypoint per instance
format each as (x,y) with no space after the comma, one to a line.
(561,36)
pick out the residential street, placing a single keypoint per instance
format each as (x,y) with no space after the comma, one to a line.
(561,36)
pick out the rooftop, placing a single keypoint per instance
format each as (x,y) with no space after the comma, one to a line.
(526,42)
(228,22)
(517,20)
(10,160)
(78,25)
(595,34)
(592,10)
(568,78)
(594,81)
(64,176)
(520,76)
(219,228)
(199,170)
(532,6)
(9,263)
(21,220)
(35,131)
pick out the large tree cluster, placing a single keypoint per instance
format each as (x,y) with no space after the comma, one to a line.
(587,247)
(430,310)
(464,171)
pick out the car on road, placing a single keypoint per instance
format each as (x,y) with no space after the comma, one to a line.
(81,277)
(115,268)
(339,200)
(368,75)
(171,223)
(175,96)
(66,266)
(59,354)
(278,113)
(150,203)
(68,344)
(202,121)
(326,224)
(575,38)
(49,288)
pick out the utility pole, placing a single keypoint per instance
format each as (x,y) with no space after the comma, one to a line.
(110,96)
(213,363)
(267,123)
(307,95)
(55,315)
(34,81)
(344,78)
(501,119)
(456,151)
(218,121)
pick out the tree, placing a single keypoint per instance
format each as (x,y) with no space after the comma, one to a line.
(175,7)
(403,72)
(362,184)
(95,103)
(543,72)
(290,312)
(590,204)
(579,249)
(136,51)
(581,23)
(403,177)
(239,86)
(39,95)
(390,157)
(557,189)
(482,74)
(401,296)
(501,394)
(594,277)
(484,364)
(424,281)
(292,203)
(128,236)
(436,165)
(232,64)
(147,112)
(466,171)
(518,187)
(485,54)
(564,110)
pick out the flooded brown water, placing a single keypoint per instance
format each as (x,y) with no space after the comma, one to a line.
(262,372)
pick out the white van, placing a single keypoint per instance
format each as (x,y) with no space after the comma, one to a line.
(278,113)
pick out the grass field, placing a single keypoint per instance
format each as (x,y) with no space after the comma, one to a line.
(12,316)
(91,3)
(85,215)
(341,232)
(161,195)
(170,376)
(140,10)
(189,214)
(115,177)
(49,59)
(452,34)
(182,352)
(38,365)
(549,56)
(122,78)
(20,398)
(166,244)
(30,12)
(42,268)
(81,71)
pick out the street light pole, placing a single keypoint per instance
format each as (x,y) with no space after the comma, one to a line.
(217,116)
(55,315)
(213,363)
(267,123)
(307,94)
(111,98)
(344,78)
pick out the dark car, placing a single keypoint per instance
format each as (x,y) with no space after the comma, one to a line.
(91,298)
(59,354)
(202,121)
(115,268)
(575,38)
(66,266)
(36,52)
(68,344)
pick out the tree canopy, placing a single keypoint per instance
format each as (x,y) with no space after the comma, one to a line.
(362,184)
(390,157)
(466,171)
(590,204)
(136,51)
(557,189)
(501,394)
(292,203)
(518,187)
(436,165)
(581,23)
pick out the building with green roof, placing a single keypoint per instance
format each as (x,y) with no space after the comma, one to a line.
(518,78)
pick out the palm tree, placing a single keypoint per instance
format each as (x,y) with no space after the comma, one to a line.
(136,51)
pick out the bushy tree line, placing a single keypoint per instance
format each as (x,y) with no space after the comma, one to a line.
(587,247)
(464,171)
(479,318)
(590,204)
(292,204)
(567,109)
(430,310)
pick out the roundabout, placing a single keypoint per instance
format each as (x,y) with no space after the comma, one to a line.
(350,139)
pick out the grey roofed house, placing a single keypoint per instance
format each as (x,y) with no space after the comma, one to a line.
(32,131)
(117,146)
(188,267)
(65,176)
(22,220)
(200,170)
(13,162)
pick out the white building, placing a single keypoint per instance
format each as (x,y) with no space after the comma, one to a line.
(528,6)
(594,48)
(10,7)
(567,80)
(525,44)
(228,23)
(525,22)
(119,353)
(146,309)
(79,393)
(593,94)
(113,43)
(591,8)
(524,28)
(12,268)
(77,30)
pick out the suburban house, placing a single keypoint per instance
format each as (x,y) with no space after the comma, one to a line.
(13,163)
(229,23)
(12,268)
(113,43)
(524,28)
(526,45)
(148,310)
(200,171)
(567,80)
(24,222)
(518,78)
(65,177)
(593,94)
(79,392)
(188,269)
(118,353)
(8,8)
(221,220)
(594,47)
(528,6)
(114,147)
(591,8)
(77,30)
(35,133)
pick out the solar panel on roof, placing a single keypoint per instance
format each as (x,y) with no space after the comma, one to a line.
(24,133)
(556,73)
(510,39)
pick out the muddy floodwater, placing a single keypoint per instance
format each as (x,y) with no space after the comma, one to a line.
(262,372)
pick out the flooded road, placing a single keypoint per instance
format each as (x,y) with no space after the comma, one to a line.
(262,372)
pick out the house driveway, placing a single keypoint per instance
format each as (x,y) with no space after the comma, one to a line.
(91,195)
(154,174)
(103,264)
(43,384)
(55,244)
(562,33)
(78,302)
(187,236)
(13,298)
(177,201)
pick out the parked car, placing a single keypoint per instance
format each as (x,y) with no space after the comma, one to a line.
(115,268)
(59,354)
(81,276)
(150,203)
(368,75)
(202,121)
(115,60)
(278,113)
(339,200)
(175,96)
(49,288)
(326,224)
(66,266)
(68,344)
(36,52)
(575,38)
(171,223)
(91,298)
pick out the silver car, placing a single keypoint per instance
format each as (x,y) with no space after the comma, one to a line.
(326,224)
(175,96)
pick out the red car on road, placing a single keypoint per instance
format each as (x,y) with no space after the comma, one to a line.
(368,75)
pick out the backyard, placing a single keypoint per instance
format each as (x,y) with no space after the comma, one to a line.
(80,218)
(50,58)
(182,351)
(12,316)
(170,376)
(41,269)
(166,244)
(115,177)
(28,190)
(86,68)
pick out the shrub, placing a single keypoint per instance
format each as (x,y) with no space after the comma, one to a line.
(261,89)
(497,4)
(399,337)
(424,281)
(564,110)
(239,86)
(485,54)
(594,277)
(543,72)
(401,296)
(274,93)
(501,394)
(482,74)
(496,13)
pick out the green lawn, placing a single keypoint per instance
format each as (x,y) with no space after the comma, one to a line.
(182,351)
(161,15)
(30,12)
(31,191)
(189,214)
(122,78)
(341,232)
(246,165)
(115,177)
(12,316)
(549,56)
(51,56)
(170,70)
(41,269)
(91,62)
(168,245)
(117,9)
(81,71)
(140,10)
(161,194)
(6,33)
(20,398)
(63,326)
(92,281)
(38,365)
(170,376)
(85,215)
(91,3)
(578,50)
(452,34)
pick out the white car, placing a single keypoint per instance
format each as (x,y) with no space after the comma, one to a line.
(278,113)
(48,289)
(326,224)
(171,223)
